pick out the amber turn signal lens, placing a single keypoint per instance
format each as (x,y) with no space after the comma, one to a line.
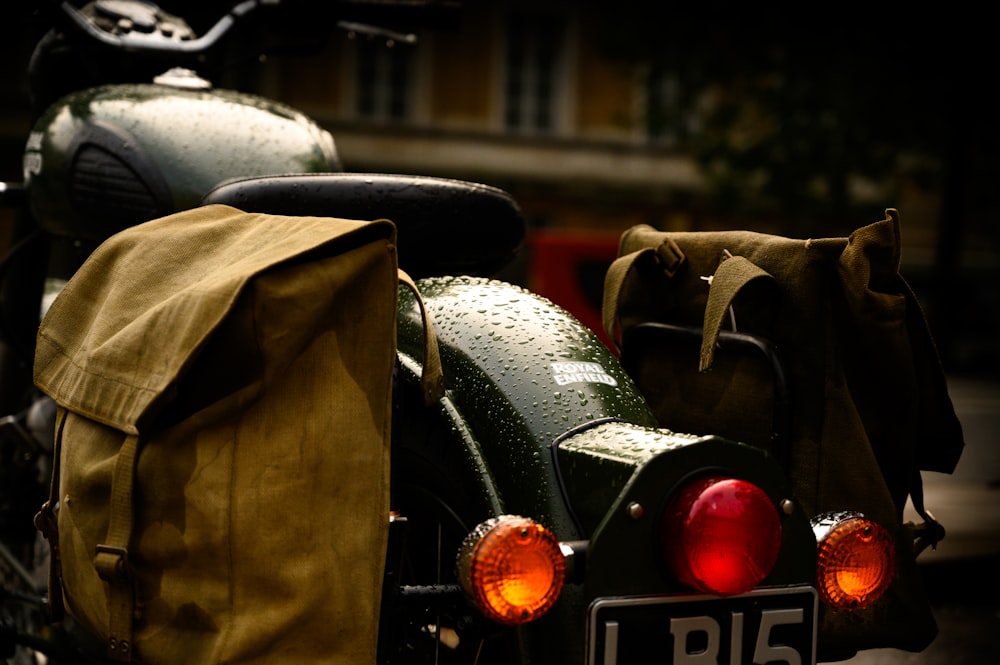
(512,568)
(856,559)
(720,535)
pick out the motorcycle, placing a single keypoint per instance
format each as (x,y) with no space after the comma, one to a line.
(642,540)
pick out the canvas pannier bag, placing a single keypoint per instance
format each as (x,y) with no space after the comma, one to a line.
(846,390)
(221,492)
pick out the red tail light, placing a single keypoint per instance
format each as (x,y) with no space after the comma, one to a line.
(720,535)
(856,559)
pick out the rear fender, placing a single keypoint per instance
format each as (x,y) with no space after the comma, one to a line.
(522,372)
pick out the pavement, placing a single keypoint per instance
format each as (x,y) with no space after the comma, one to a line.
(963,575)
(967,502)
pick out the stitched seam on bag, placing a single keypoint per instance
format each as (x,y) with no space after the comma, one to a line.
(76,406)
(69,358)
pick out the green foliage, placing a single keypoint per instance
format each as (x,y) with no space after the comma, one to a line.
(785,110)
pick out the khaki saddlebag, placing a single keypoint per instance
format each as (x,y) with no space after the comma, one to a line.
(855,407)
(224,388)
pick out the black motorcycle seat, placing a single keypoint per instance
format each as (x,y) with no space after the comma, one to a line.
(444,226)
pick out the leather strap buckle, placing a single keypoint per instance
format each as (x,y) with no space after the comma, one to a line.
(112,564)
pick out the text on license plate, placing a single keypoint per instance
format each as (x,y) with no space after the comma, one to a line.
(756,628)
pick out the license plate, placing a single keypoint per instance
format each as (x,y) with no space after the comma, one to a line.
(763,626)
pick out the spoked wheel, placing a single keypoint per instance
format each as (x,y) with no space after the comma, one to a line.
(436,498)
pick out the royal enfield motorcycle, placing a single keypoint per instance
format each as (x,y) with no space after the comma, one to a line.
(539,513)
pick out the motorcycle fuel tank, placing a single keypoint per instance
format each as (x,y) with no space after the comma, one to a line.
(103,159)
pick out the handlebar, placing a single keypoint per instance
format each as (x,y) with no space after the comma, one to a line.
(154,31)
(87,38)
(141,26)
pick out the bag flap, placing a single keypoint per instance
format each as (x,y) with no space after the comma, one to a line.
(103,349)
(901,359)
(664,276)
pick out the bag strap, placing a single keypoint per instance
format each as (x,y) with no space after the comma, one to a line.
(432,376)
(47,524)
(667,255)
(734,273)
(930,532)
(614,280)
(111,560)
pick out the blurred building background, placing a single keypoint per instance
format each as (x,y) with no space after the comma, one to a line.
(599,115)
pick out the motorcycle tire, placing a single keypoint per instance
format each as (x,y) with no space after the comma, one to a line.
(443,493)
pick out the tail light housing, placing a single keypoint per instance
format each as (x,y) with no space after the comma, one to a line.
(856,559)
(512,568)
(720,535)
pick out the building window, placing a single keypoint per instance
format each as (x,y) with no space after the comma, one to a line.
(534,59)
(384,78)
(669,117)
